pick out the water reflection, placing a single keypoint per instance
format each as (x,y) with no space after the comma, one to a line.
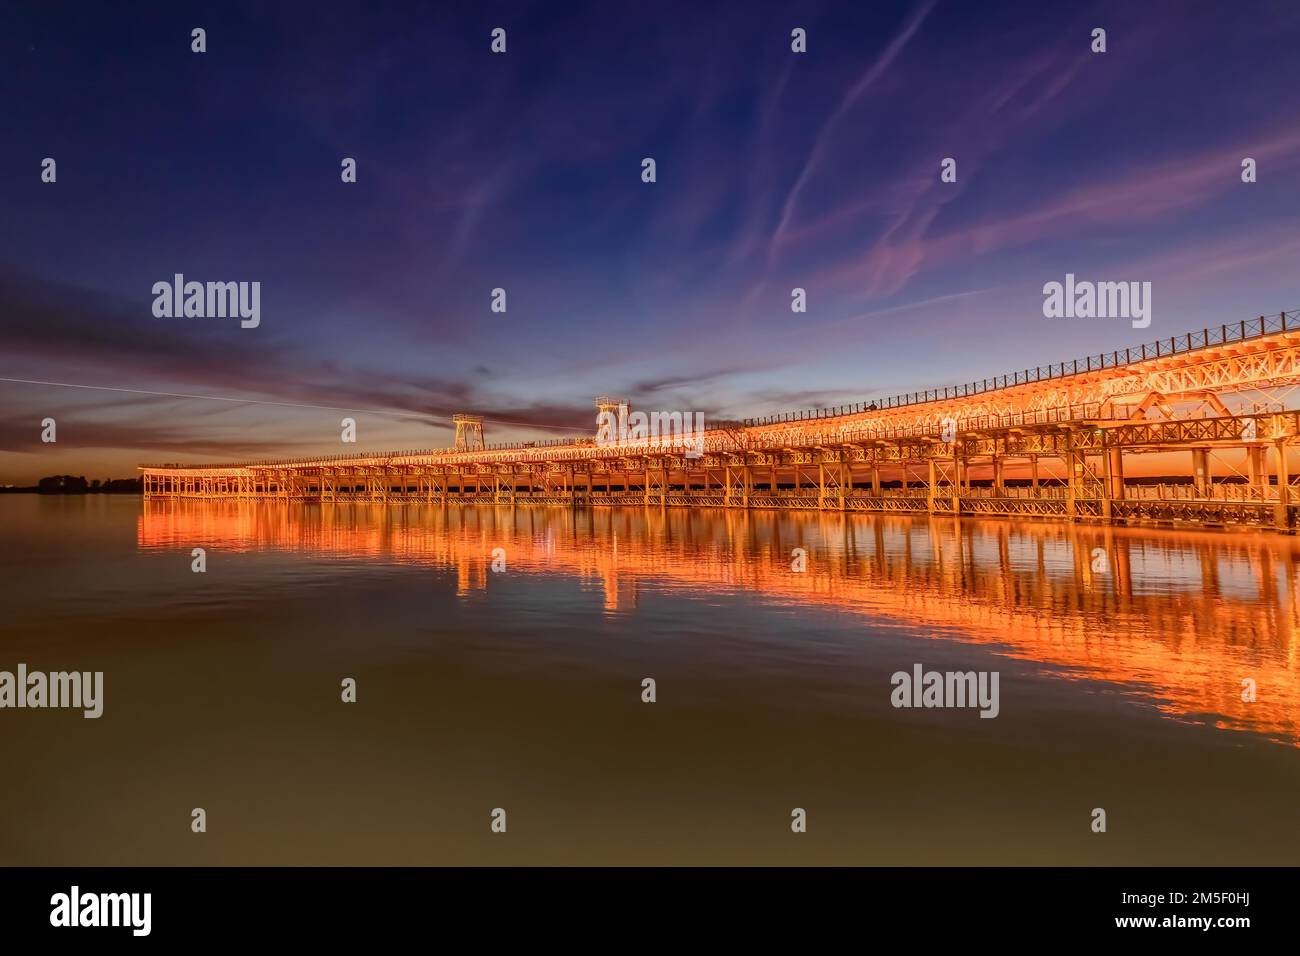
(1180,619)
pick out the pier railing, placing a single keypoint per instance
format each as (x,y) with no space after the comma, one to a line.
(1176,345)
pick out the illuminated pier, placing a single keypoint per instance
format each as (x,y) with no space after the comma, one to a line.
(1052,442)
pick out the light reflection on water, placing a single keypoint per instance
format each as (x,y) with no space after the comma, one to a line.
(1120,688)
(1180,617)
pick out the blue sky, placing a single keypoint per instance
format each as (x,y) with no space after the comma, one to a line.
(522,171)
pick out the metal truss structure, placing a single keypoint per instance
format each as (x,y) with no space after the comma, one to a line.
(1219,397)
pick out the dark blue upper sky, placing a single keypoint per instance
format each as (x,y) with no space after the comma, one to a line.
(522,171)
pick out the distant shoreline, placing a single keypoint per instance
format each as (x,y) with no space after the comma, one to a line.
(77,485)
(33,490)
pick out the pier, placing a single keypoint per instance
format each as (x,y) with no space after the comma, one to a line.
(1058,441)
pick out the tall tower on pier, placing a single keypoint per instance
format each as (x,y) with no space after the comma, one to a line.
(469,432)
(611,412)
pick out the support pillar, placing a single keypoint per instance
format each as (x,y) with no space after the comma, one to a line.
(1115,457)
(1073,473)
(1282,510)
(1201,471)
(1106,485)
(958,470)
(1258,467)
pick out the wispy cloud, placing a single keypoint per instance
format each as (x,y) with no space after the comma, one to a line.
(821,143)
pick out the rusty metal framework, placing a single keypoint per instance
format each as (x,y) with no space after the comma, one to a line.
(1050,442)
(469,432)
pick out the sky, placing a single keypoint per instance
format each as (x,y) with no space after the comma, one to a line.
(523,171)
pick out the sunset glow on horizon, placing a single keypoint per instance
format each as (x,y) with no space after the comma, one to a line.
(522,173)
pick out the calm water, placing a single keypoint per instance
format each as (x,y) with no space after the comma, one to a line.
(1120,688)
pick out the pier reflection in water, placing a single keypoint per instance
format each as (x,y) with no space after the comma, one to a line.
(1181,618)
(1122,655)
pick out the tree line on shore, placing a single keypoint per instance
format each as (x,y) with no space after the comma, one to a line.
(78,485)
